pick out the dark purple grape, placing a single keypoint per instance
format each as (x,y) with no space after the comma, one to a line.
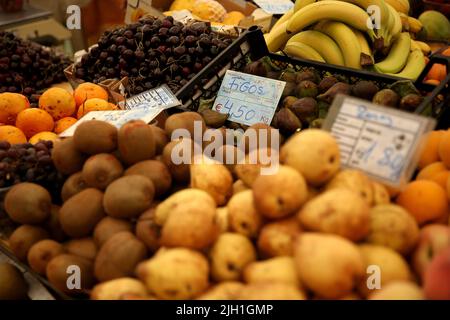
(174,31)
(179,51)
(128,34)
(166,23)
(103,55)
(174,40)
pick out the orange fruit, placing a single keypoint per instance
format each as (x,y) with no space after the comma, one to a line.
(94,104)
(10,106)
(430,152)
(441,178)
(87,90)
(58,102)
(430,170)
(444,148)
(12,134)
(425,200)
(32,121)
(43,136)
(64,124)
(113,106)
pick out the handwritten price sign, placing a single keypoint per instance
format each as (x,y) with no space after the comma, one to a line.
(248,99)
(382,142)
(275,6)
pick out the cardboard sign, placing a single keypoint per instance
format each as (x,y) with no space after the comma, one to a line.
(161,98)
(275,6)
(382,142)
(248,99)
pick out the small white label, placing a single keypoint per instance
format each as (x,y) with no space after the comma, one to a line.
(248,99)
(275,6)
(160,98)
(382,142)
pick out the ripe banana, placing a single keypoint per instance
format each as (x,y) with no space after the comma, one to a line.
(397,57)
(414,46)
(399,5)
(330,10)
(303,51)
(405,21)
(414,66)
(415,26)
(365,48)
(277,37)
(423,46)
(284,18)
(322,43)
(346,40)
(397,27)
(302,3)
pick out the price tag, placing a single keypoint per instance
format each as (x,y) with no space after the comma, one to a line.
(275,6)
(116,117)
(161,98)
(382,142)
(248,99)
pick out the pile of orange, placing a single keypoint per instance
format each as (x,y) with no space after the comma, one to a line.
(58,110)
(438,72)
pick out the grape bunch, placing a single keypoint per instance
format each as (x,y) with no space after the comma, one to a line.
(27,67)
(150,53)
(29,163)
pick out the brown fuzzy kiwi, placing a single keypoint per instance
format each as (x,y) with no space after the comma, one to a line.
(156,171)
(180,172)
(108,227)
(41,253)
(59,270)
(136,142)
(28,203)
(73,185)
(85,248)
(128,197)
(161,139)
(100,170)
(148,231)
(53,226)
(66,157)
(24,237)
(119,257)
(93,137)
(79,215)
(184,120)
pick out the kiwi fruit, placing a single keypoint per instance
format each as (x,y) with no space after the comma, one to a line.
(180,172)
(104,133)
(24,237)
(80,214)
(100,170)
(28,203)
(184,120)
(60,269)
(66,157)
(119,256)
(73,185)
(85,248)
(41,253)
(109,226)
(148,231)
(12,283)
(128,196)
(53,226)
(161,139)
(136,142)
(156,171)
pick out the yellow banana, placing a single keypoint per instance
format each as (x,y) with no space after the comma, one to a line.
(284,18)
(414,46)
(423,46)
(303,51)
(415,26)
(405,21)
(302,3)
(277,37)
(346,40)
(330,10)
(365,48)
(322,43)
(414,66)
(397,27)
(397,57)
(399,5)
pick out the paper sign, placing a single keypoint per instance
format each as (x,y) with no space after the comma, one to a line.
(116,117)
(248,99)
(382,142)
(275,6)
(161,98)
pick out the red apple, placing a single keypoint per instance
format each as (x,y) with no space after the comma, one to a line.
(437,277)
(432,240)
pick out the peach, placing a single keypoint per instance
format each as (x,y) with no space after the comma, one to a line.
(437,277)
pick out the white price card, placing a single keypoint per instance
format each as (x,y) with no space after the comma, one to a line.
(248,99)
(275,6)
(116,117)
(161,97)
(383,142)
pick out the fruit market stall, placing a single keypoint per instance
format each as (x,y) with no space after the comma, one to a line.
(185,163)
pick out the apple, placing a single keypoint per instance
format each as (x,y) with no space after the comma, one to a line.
(437,277)
(433,239)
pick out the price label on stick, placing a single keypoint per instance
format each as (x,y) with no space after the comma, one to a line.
(248,99)
(382,142)
(161,97)
(275,6)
